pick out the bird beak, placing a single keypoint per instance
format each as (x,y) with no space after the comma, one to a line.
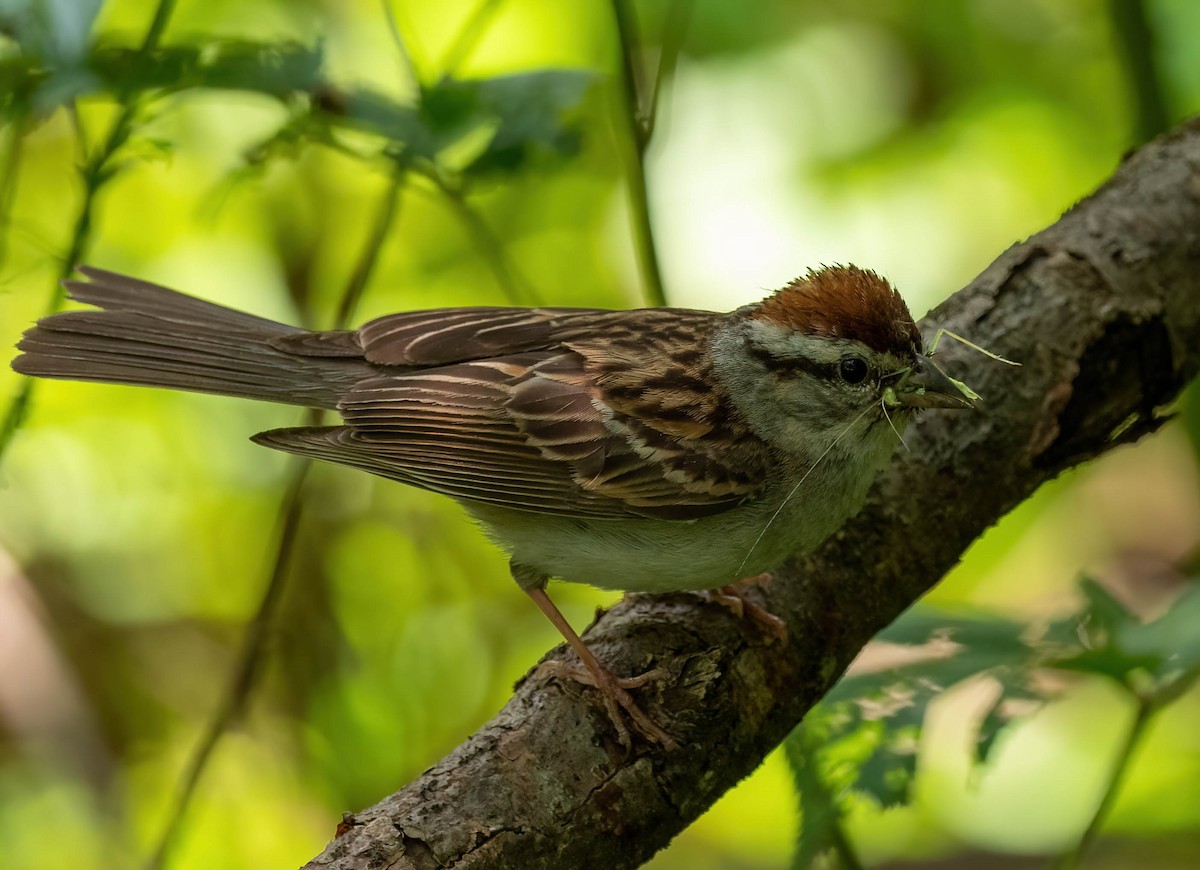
(927,386)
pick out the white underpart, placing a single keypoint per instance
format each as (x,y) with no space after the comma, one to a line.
(799,483)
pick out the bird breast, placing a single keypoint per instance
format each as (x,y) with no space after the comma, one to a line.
(792,516)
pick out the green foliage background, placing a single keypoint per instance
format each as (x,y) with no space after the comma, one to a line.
(319,160)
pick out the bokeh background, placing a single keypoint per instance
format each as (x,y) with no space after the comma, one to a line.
(277,156)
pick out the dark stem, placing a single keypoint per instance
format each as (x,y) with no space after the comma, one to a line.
(95,174)
(846,855)
(678,17)
(360,277)
(1137,730)
(8,184)
(489,246)
(12,167)
(1132,31)
(253,651)
(162,16)
(638,116)
(249,662)
(631,70)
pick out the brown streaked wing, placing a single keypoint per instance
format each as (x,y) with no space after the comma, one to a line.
(657,378)
(520,431)
(508,483)
(447,335)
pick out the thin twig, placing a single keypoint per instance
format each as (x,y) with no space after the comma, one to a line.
(249,661)
(632,73)
(489,246)
(640,112)
(678,17)
(1137,730)
(468,36)
(360,277)
(162,16)
(254,645)
(8,184)
(95,174)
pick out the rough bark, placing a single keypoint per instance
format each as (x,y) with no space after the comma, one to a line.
(1103,309)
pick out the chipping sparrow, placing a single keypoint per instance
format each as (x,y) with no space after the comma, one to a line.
(594,446)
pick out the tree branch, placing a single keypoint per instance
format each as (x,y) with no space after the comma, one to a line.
(1103,308)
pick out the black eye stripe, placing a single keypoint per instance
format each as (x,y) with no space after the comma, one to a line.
(795,365)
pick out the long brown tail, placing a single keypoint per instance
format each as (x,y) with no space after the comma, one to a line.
(148,335)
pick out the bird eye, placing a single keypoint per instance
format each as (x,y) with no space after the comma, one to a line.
(853,369)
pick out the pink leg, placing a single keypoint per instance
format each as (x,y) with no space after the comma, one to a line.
(613,689)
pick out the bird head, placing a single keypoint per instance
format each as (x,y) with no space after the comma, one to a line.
(832,359)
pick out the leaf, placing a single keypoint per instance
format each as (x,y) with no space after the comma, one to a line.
(281,70)
(981,643)
(888,773)
(862,737)
(474,128)
(820,815)
(534,115)
(56,32)
(1143,657)
(20,77)
(375,113)
(277,69)
(923,624)
(1103,613)
(1013,701)
(990,728)
(469,128)
(1108,661)
(1173,639)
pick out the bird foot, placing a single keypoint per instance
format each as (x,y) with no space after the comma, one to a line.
(733,598)
(618,703)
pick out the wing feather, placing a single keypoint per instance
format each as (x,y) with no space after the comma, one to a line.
(574,412)
(449,335)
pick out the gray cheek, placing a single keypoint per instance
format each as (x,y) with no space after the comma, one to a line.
(808,402)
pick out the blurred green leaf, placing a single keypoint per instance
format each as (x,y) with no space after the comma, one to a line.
(276,69)
(54,31)
(20,77)
(990,727)
(534,112)
(885,709)
(1157,660)
(820,816)
(465,128)
(1173,639)
(887,775)
(1103,612)
(980,644)
(509,122)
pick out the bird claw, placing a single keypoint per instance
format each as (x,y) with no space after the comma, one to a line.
(618,703)
(733,598)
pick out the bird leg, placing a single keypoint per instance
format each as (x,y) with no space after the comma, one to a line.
(613,689)
(734,599)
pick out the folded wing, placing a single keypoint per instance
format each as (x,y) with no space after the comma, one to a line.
(535,429)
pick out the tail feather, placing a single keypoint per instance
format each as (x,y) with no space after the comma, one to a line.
(151,336)
(113,291)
